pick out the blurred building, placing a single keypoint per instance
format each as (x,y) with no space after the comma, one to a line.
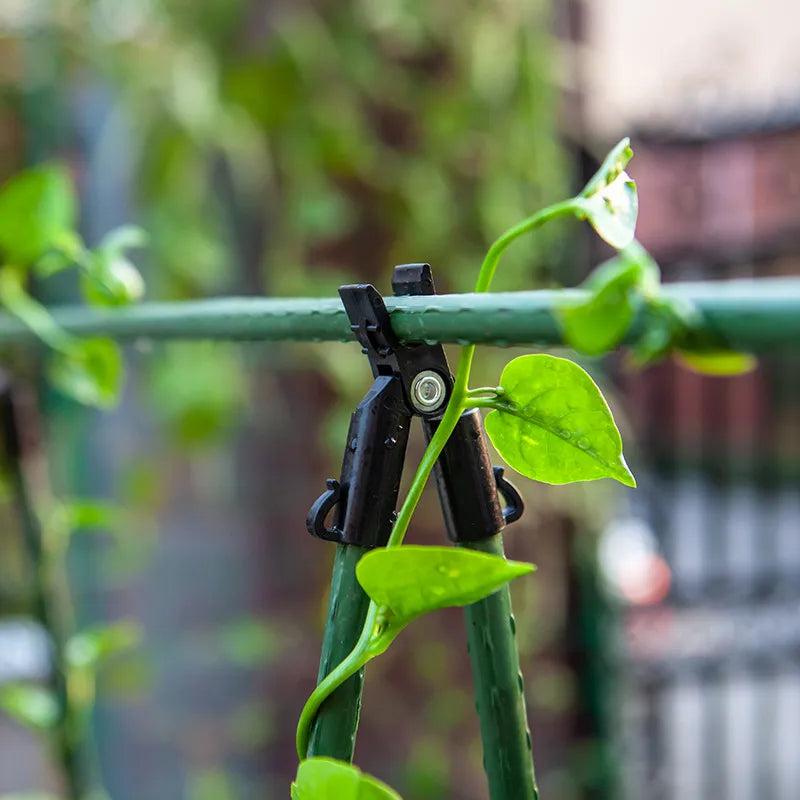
(710,96)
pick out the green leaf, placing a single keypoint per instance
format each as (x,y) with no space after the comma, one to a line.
(328,779)
(67,250)
(79,516)
(36,207)
(612,210)
(33,706)
(609,199)
(91,514)
(553,424)
(88,370)
(613,164)
(413,580)
(91,372)
(717,362)
(597,324)
(111,279)
(89,648)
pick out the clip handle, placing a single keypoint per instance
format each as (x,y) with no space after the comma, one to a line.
(513,511)
(318,513)
(363,501)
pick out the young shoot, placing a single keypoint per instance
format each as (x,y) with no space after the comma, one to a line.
(549,421)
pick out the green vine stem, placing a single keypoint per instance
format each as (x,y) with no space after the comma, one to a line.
(371,643)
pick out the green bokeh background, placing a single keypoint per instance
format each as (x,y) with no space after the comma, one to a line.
(284,149)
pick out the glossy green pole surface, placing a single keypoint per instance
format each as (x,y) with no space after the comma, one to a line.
(334,730)
(499,690)
(752,315)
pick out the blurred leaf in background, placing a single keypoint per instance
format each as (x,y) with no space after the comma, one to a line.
(198,390)
(37,207)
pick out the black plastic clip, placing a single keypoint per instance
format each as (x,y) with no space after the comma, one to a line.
(362,502)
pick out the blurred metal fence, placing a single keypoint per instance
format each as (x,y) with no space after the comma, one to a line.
(712,670)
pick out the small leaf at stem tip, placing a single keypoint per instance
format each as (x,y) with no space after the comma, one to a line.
(554,425)
(412,580)
(718,363)
(33,706)
(613,164)
(111,279)
(329,779)
(612,210)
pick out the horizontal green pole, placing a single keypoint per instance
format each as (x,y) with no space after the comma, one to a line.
(754,315)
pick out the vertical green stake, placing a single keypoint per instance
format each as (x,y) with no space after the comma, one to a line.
(334,730)
(499,691)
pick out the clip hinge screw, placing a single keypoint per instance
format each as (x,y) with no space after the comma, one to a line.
(428,391)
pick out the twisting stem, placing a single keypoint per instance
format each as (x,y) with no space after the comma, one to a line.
(499,246)
(334,679)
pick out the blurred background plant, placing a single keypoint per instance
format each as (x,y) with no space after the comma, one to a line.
(286,148)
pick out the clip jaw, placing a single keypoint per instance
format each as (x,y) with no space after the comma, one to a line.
(410,380)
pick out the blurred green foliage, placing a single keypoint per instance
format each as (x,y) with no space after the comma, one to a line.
(287,148)
(342,136)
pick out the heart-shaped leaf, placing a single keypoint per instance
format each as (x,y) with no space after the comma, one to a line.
(328,779)
(412,580)
(36,207)
(553,424)
(609,199)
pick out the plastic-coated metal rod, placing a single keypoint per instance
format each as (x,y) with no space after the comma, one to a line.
(499,690)
(334,730)
(753,315)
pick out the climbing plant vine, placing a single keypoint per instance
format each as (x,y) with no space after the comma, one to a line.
(548,420)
